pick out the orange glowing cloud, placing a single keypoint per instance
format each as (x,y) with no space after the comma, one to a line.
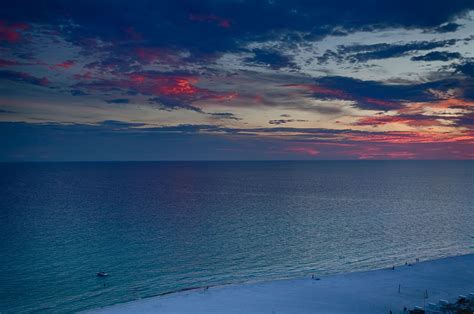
(176,86)
(420,107)
(171,86)
(164,85)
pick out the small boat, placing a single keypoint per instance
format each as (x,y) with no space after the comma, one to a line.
(102,274)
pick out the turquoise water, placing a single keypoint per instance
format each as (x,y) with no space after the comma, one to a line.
(165,226)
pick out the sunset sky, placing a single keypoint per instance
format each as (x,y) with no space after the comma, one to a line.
(232,80)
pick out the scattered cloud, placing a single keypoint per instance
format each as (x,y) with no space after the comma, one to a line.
(437,56)
(447,28)
(118,101)
(364,53)
(397,81)
(23,77)
(272,59)
(284,121)
(12,33)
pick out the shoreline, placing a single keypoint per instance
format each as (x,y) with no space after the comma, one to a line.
(374,291)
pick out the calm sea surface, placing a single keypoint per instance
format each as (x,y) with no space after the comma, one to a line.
(163,226)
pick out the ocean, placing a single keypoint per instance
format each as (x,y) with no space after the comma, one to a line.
(159,227)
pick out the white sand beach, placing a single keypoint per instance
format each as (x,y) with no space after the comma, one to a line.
(361,292)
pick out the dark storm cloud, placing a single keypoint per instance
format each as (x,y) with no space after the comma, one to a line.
(114,124)
(118,101)
(124,127)
(112,65)
(380,90)
(170,104)
(364,53)
(224,115)
(466,120)
(275,130)
(205,27)
(4,111)
(272,59)
(466,68)
(447,28)
(373,95)
(5,63)
(438,56)
(23,77)
(284,121)
(78,92)
(466,86)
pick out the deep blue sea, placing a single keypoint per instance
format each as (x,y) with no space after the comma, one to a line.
(158,227)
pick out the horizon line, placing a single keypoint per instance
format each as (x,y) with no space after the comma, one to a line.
(220,160)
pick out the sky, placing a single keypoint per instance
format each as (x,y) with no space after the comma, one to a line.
(236,80)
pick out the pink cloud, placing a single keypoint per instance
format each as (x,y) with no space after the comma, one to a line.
(303,150)
(65,65)
(382,103)
(382,153)
(152,54)
(11,33)
(413,137)
(87,76)
(4,63)
(180,87)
